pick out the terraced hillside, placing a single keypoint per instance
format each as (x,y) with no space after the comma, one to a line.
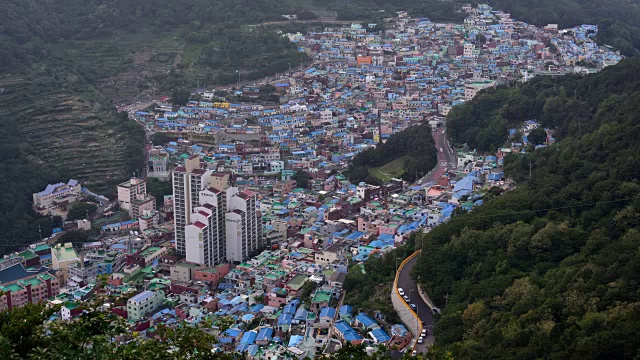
(69,127)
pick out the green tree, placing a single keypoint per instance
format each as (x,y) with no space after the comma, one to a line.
(80,210)
(180,96)
(537,136)
(302,179)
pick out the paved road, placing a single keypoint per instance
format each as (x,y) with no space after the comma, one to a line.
(446,159)
(424,311)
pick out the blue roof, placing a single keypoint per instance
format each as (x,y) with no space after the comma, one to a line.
(366,320)
(346,309)
(328,312)
(380,335)
(249,337)
(285,319)
(265,334)
(233,332)
(295,340)
(142,296)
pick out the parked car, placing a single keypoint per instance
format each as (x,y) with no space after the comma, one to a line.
(401,291)
(414,353)
(413,306)
(406,298)
(420,340)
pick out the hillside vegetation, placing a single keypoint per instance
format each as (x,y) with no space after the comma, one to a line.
(415,144)
(550,269)
(65,64)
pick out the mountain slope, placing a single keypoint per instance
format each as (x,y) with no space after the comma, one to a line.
(550,269)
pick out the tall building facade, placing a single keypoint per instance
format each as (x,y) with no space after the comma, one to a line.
(133,197)
(188,181)
(205,235)
(243,225)
(226,226)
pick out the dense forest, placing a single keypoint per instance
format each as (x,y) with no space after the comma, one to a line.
(550,269)
(414,143)
(567,104)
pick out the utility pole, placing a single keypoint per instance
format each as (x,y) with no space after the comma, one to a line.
(530,166)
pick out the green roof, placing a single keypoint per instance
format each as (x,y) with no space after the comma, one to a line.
(297,281)
(11,287)
(65,253)
(321,296)
(42,247)
(27,255)
(148,251)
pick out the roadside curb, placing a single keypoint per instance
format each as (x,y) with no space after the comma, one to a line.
(405,308)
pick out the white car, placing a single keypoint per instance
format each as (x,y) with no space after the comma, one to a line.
(413,306)
(423,333)
(406,298)
(420,340)
(440,149)
(414,353)
(401,291)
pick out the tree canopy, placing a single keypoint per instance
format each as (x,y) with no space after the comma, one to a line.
(548,270)
(415,142)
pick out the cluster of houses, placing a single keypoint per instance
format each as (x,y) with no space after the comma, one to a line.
(286,301)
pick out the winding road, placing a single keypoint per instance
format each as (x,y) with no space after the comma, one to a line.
(423,309)
(446,160)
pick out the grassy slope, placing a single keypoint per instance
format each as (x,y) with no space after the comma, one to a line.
(390,170)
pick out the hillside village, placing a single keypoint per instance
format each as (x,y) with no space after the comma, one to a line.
(280,293)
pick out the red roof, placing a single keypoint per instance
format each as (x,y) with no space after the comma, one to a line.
(245,194)
(199,225)
(203,213)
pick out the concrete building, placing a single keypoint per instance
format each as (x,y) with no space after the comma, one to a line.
(243,225)
(142,304)
(367,192)
(188,181)
(158,164)
(472,89)
(133,197)
(62,256)
(205,236)
(129,190)
(57,193)
(147,256)
(32,289)
(182,272)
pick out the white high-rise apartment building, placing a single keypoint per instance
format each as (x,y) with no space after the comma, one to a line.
(188,181)
(214,223)
(205,236)
(243,225)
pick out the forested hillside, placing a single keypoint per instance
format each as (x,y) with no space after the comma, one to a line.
(414,143)
(550,269)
